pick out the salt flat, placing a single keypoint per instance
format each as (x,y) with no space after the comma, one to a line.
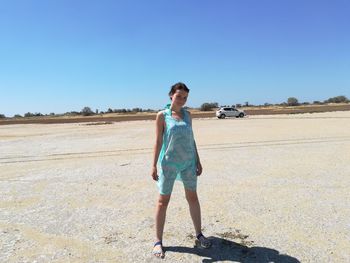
(274,189)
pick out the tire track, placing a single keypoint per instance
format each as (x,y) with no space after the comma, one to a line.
(138,151)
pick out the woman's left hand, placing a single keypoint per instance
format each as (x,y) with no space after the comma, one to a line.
(199,169)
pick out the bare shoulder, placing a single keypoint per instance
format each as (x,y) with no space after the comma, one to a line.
(160,115)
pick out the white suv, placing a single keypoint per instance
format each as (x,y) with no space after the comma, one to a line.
(224,112)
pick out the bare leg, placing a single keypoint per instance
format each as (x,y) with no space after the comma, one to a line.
(195,209)
(161,207)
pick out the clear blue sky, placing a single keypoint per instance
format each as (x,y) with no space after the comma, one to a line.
(62,55)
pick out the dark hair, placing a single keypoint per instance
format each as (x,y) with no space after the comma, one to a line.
(178,86)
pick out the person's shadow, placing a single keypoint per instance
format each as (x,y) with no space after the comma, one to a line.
(226,250)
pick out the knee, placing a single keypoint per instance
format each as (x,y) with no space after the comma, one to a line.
(191,199)
(162,203)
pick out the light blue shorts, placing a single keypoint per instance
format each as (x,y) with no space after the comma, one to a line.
(169,174)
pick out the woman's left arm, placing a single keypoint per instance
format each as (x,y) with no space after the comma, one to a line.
(199,168)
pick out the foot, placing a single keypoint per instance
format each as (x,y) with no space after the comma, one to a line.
(202,241)
(158,250)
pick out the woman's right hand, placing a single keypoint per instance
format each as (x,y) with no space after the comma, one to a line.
(154,174)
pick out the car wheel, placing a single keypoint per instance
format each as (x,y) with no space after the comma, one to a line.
(222,116)
(241,115)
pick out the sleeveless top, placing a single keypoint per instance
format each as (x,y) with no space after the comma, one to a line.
(178,149)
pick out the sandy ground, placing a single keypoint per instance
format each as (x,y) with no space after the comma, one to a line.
(274,189)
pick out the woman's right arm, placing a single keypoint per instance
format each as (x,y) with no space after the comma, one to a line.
(158,144)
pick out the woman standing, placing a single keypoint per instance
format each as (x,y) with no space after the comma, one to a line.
(175,154)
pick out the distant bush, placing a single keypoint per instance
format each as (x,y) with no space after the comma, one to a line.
(338,99)
(29,114)
(209,106)
(317,102)
(306,103)
(137,110)
(128,110)
(17,116)
(266,104)
(86,111)
(292,101)
(2,116)
(121,110)
(72,113)
(238,105)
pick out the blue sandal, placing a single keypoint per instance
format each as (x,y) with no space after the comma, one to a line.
(158,252)
(202,241)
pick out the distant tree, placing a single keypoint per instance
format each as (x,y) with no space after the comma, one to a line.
(109,110)
(306,103)
(86,111)
(246,104)
(266,104)
(292,101)
(52,114)
(17,116)
(137,110)
(338,99)
(317,102)
(238,105)
(120,110)
(208,106)
(29,114)
(72,113)
(96,111)
(2,116)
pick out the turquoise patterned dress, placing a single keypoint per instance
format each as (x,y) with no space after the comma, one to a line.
(177,159)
